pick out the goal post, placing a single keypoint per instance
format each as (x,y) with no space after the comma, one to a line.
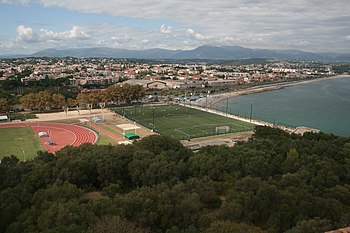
(222,129)
(151,126)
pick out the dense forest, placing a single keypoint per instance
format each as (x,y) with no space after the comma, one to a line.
(275,182)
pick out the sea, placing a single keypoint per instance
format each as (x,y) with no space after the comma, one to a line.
(323,105)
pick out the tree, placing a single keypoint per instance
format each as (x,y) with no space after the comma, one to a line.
(125,93)
(115,93)
(9,161)
(4,105)
(102,98)
(29,101)
(82,101)
(291,159)
(156,144)
(58,101)
(71,102)
(311,226)
(230,227)
(93,100)
(44,101)
(114,224)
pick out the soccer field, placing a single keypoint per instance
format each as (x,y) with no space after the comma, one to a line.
(182,122)
(15,140)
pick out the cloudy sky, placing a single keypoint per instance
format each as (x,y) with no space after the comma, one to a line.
(313,25)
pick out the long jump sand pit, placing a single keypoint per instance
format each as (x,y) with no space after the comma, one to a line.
(60,134)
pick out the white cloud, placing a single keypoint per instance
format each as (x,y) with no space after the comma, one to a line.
(313,24)
(316,21)
(300,43)
(195,35)
(8,44)
(15,2)
(74,33)
(165,29)
(144,41)
(28,35)
(121,39)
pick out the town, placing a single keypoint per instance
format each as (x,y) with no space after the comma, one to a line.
(174,116)
(100,72)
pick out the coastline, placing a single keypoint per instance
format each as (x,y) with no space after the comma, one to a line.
(210,100)
(205,104)
(298,130)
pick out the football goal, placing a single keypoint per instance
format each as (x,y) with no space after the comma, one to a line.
(151,126)
(222,129)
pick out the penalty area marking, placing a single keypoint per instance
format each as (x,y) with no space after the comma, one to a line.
(181,132)
(179,116)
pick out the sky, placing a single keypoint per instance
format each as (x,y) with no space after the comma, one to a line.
(28,26)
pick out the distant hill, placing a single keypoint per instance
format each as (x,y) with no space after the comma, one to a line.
(203,52)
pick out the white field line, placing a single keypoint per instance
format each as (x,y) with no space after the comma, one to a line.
(181,132)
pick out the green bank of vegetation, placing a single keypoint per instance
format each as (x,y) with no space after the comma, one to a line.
(275,182)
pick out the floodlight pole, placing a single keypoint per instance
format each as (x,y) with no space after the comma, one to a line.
(206,102)
(226,106)
(24,156)
(135,112)
(153,117)
(251,111)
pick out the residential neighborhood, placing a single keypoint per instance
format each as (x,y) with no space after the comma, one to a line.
(96,72)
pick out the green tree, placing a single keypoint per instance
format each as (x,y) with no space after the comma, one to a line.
(4,105)
(311,226)
(29,101)
(230,227)
(58,101)
(113,224)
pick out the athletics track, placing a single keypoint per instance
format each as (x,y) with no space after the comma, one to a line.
(61,134)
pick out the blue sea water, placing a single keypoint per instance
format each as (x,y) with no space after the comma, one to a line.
(323,105)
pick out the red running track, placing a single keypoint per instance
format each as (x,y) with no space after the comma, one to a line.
(61,134)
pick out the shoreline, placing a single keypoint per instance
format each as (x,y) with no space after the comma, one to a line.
(213,99)
(205,104)
(298,130)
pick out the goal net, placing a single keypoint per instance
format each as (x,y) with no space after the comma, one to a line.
(222,129)
(151,126)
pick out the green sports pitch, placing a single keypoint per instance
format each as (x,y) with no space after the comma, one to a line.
(183,122)
(19,141)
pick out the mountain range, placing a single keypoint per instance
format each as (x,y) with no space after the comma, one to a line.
(205,52)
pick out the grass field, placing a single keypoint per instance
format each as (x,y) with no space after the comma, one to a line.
(13,141)
(103,139)
(182,122)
